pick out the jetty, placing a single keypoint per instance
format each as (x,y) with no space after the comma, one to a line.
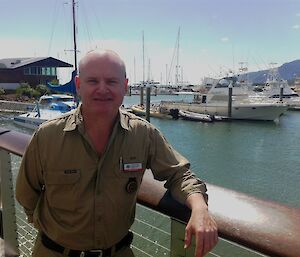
(15,107)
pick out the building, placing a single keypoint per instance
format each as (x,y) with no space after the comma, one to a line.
(34,71)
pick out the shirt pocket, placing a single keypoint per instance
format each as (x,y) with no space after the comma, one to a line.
(61,189)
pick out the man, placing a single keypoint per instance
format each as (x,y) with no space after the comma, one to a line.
(80,175)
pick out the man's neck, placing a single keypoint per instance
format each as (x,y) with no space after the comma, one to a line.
(99,129)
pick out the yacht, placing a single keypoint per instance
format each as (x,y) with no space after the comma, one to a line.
(239,104)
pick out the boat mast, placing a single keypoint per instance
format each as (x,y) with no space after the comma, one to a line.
(74,34)
(177,60)
(142,86)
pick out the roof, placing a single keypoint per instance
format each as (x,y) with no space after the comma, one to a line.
(13,63)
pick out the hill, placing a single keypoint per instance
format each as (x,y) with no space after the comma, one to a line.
(287,71)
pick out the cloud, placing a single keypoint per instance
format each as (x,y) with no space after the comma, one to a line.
(224,39)
(296,26)
(26,47)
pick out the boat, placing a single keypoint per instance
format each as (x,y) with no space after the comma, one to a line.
(48,107)
(195,116)
(278,88)
(154,111)
(60,102)
(236,105)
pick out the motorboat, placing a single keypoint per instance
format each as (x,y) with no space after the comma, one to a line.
(195,116)
(48,107)
(226,98)
(60,102)
(278,88)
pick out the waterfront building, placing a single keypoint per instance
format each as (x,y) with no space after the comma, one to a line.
(34,71)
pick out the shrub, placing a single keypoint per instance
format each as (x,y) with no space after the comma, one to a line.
(42,89)
(2,91)
(26,90)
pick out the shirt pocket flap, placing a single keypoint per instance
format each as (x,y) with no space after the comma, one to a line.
(62,178)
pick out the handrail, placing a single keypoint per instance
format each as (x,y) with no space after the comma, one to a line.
(265,226)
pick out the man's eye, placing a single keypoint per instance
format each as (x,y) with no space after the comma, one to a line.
(112,82)
(92,81)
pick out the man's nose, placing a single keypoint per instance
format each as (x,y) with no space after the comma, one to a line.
(102,87)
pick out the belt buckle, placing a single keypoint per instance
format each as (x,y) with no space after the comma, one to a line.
(96,253)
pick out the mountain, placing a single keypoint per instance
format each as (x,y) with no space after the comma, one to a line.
(287,71)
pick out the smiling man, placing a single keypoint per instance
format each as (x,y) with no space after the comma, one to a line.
(80,175)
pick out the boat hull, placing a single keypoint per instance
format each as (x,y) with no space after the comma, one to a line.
(238,111)
(31,120)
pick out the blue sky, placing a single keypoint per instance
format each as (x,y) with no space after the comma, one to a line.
(215,35)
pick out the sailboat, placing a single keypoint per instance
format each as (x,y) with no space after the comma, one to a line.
(56,104)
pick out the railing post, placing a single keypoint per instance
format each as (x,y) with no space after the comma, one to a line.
(8,212)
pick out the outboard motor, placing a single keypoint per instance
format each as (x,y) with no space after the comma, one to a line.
(174,113)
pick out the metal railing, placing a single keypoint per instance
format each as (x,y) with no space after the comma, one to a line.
(258,227)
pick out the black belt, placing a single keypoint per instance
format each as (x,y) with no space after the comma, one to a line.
(126,241)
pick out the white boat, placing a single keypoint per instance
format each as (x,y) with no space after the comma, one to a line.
(48,107)
(278,88)
(195,116)
(217,102)
(60,102)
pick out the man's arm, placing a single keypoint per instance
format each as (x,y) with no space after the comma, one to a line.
(201,225)
(28,183)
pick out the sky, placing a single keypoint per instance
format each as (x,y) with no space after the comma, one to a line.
(211,37)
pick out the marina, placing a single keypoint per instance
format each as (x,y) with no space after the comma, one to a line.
(254,157)
(238,127)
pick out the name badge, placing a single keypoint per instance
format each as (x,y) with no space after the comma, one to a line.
(132,167)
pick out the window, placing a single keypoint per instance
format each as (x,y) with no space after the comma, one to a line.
(40,71)
(26,71)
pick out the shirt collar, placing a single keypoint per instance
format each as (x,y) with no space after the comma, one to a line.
(75,119)
(124,119)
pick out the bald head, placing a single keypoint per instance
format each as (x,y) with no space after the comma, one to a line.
(105,55)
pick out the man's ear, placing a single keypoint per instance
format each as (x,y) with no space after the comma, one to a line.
(126,85)
(77,83)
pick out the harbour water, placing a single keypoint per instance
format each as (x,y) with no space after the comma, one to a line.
(257,158)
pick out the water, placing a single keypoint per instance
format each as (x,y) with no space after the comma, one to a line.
(257,158)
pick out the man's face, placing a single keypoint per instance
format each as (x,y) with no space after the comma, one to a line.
(102,85)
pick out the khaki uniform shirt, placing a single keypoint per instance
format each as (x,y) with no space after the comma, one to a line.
(81,200)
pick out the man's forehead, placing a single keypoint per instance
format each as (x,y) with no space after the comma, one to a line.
(103,66)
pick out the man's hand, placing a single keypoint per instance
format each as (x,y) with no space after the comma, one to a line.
(201,225)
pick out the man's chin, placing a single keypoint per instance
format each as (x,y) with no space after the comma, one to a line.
(105,110)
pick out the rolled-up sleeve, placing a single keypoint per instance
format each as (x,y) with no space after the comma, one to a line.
(29,180)
(167,164)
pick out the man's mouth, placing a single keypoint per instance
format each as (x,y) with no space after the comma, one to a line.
(102,99)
